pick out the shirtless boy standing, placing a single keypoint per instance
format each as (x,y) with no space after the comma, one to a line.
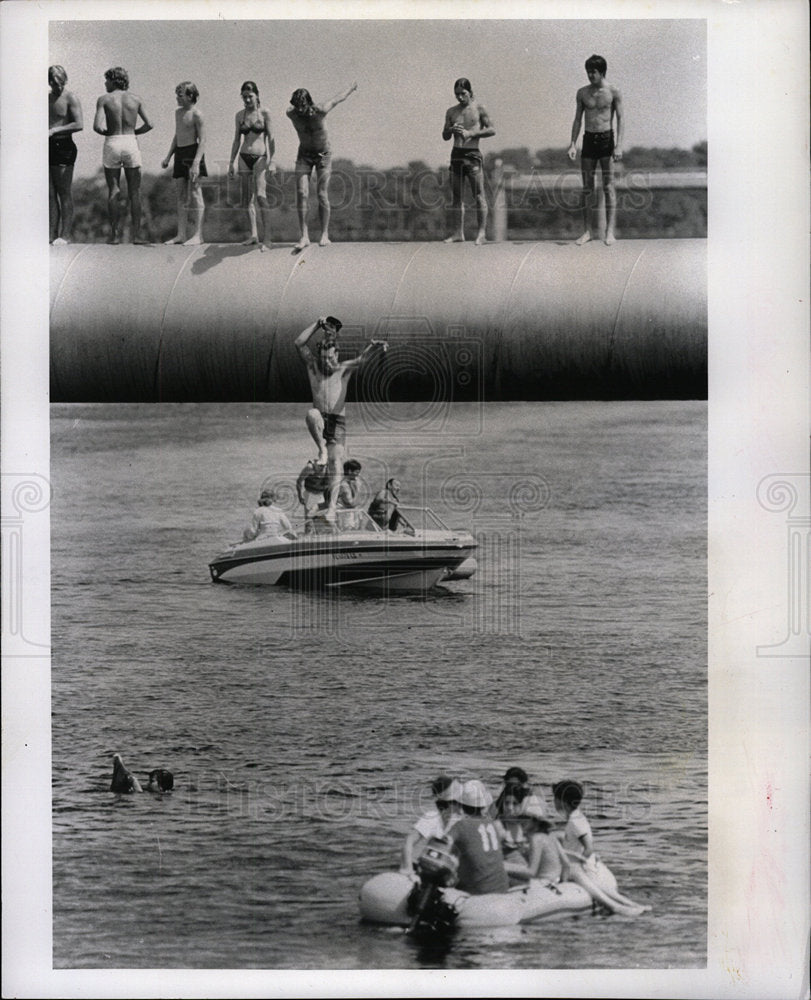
(313,151)
(467,122)
(188,148)
(117,114)
(64,118)
(329,380)
(600,102)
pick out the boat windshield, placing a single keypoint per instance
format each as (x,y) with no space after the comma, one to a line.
(346,521)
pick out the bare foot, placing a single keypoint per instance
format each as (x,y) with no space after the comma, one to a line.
(610,239)
(481,238)
(177,239)
(193,241)
(251,241)
(456,238)
(585,238)
(267,245)
(302,243)
(59,242)
(322,460)
(324,241)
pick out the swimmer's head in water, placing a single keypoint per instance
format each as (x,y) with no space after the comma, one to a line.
(118,78)
(302,102)
(249,87)
(57,77)
(189,89)
(598,63)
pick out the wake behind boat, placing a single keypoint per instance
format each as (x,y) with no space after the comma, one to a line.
(353,551)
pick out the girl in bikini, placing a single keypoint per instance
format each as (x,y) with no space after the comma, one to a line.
(254,141)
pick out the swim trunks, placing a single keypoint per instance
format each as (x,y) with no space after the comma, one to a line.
(61,150)
(184,157)
(121,151)
(334,428)
(306,159)
(250,160)
(465,162)
(597,145)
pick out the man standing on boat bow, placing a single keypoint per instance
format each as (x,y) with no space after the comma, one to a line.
(329,380)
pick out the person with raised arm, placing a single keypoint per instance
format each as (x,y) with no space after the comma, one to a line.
(314,153)
(329,379)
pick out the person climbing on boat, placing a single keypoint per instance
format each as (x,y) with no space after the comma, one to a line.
(268,519)
(477,841)
(329,380)
(432,822)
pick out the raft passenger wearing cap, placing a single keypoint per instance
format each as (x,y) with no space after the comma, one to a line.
(329,381)
(432,823)
(477,841)
(268,519)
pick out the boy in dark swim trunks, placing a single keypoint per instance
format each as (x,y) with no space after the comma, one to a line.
(313,153)
(188,149)
(329,380)
(64,118)
(467,122)
(600,102)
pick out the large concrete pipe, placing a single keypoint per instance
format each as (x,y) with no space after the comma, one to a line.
(503,321)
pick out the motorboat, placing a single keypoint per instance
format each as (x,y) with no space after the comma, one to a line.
(354,551)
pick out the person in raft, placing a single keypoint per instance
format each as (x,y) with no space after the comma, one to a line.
(64,118)
(477,841)
(467,122)
(117,114)
(599,103)
(329,379)
(253,139)
(432,822)
(313,152)
(188,148)
(576,838)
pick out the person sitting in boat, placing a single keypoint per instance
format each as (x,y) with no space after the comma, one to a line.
(384,508)
(311,487)
(476,839)
(268,520)
(515,780)
(509,810)
(348,489)
(545,859)
(432,823)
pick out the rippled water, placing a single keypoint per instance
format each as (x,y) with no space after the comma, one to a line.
(302,729)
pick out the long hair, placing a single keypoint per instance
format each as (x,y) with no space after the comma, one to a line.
(250,85)
(302,102)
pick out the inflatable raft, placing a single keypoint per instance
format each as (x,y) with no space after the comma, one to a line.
(387,898)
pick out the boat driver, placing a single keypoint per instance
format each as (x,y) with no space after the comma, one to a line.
(477,840)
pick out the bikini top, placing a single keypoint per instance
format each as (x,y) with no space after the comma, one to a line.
(253,127)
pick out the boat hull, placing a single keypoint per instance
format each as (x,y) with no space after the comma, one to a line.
(366,562)
(384,900)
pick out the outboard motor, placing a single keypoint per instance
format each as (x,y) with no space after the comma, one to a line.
(437,868)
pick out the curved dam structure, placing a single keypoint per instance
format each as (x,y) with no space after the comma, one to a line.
(505,321)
